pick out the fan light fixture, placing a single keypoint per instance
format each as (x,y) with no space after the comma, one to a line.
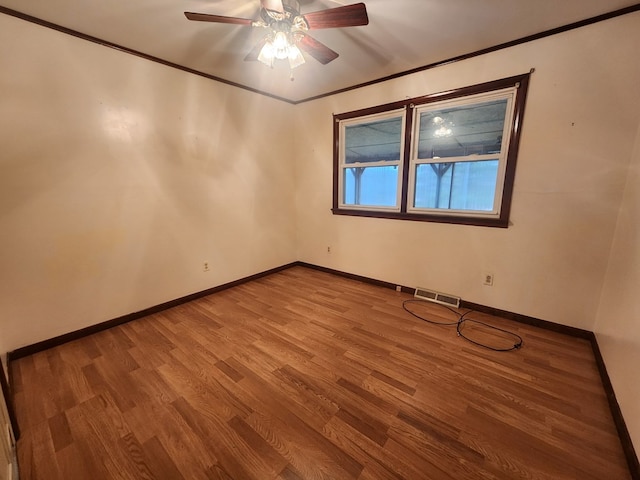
(287,29)
(281,47)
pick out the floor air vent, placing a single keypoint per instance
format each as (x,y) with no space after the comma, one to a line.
(437,297)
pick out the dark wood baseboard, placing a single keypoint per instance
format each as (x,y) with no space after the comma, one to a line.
(83,332)
(623,432)
(67,337)
(536,322)
(359,278)
(616,413)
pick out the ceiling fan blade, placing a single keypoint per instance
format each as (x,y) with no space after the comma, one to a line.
(347,16)
(274,5)
(317,50)
(203,17)
(255,51)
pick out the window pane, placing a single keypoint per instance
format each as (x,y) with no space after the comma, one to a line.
(373,141)
(461,131)
(374,186)
(456,186)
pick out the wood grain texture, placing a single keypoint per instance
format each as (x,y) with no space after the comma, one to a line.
(307,375)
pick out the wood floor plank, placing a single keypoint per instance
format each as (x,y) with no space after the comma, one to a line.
(305,375)
(72,463)
(60,431)
(374,458)
(36,455)
(159,461)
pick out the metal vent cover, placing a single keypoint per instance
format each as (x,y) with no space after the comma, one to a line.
(437,297)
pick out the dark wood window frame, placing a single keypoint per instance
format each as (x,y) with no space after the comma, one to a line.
(519,81)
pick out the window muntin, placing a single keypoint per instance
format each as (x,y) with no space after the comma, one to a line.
(370,161)
(457,156)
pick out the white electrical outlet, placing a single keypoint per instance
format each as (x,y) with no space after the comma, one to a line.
(205,267)
(487,279)
(328,249)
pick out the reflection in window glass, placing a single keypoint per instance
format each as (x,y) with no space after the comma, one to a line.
(375,186)
(377,141)
(463,130)
(456,186)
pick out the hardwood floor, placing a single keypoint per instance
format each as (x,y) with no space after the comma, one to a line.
(306,375)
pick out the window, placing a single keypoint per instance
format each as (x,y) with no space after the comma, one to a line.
(447,157)
(373,148)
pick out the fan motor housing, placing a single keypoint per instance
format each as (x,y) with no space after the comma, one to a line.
(291,8)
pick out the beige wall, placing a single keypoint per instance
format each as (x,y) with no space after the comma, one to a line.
(580,123)
(618,323)
(119,177)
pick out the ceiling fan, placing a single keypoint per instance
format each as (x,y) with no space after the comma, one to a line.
(287,30)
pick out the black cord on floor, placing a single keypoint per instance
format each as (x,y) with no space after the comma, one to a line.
(404,305)
(459,323)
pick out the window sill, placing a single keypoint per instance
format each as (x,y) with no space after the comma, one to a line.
(422,217)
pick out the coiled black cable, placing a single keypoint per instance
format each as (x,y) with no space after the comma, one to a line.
(459,323)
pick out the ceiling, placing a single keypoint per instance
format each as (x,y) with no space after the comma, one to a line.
(402,35)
